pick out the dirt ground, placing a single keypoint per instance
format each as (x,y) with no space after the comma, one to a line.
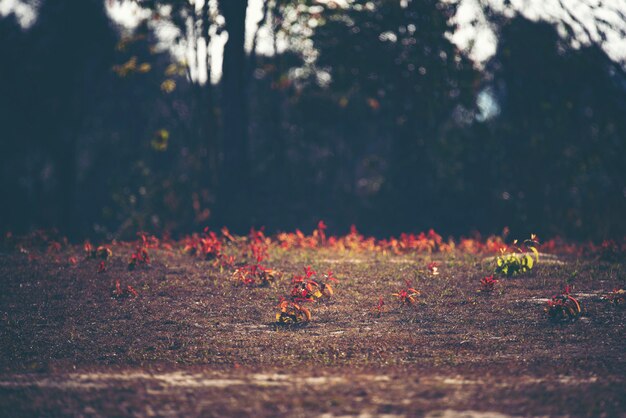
(192,343)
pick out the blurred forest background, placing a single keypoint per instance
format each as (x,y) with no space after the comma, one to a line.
(394,115)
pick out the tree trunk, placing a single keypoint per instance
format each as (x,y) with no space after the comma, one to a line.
(233,206)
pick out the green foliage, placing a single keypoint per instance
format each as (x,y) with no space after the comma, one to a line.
(519,262)
(514,264)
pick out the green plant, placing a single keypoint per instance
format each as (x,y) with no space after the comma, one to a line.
(518,259)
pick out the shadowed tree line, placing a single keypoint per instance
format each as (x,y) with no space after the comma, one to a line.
(368,115)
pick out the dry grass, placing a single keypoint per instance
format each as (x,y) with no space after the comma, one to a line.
(456,348)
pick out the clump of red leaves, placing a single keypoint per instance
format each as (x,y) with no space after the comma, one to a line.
(563,307)
(122,293)
(291,312)
(312,286)
(379,308)
(408,295)
(433,268)
(206,245)
(103,252)
(102,267)
(140,256)
(211,247)
(306,288)
(256,273)
(487,284)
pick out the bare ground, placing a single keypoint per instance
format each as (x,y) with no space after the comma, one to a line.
(194,344)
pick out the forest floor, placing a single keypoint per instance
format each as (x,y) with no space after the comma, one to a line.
(193,343)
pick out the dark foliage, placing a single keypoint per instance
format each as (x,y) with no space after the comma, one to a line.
(387,128)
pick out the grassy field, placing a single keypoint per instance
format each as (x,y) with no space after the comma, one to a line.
(194,342)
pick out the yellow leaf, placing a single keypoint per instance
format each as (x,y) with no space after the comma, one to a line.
(144,68)
(160,140)
(168,86)
(534,250)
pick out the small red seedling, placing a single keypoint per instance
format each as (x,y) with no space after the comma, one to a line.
(252,274)
(305,290)
(321,232)
(307,287)
(312,286)
(102,267)
(131,290)
(225,261)
(325,287)
(102,251)
(564,307)
(433,267)
(89,251)
(139,257)
(488,284)
(258,250)
(208,245)
(72,261)
(380,307)
(408,295)
(291,312)
(119,293)
(226,233)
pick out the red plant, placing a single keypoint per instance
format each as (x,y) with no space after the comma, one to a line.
(89,251)
(252,274)
(313,286)
(225,261)
(563,306)
(72,261)
(309,272)
(102,251)
(305,291)
(258,238)
(408,295)
(380,307)
(488,284)
(325,287)
(433,267)
(149,241)
(140,256)
(208,245)
(321,232)
(258,250)
(227,235)
(119,293)
(102,267)
(291,312)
